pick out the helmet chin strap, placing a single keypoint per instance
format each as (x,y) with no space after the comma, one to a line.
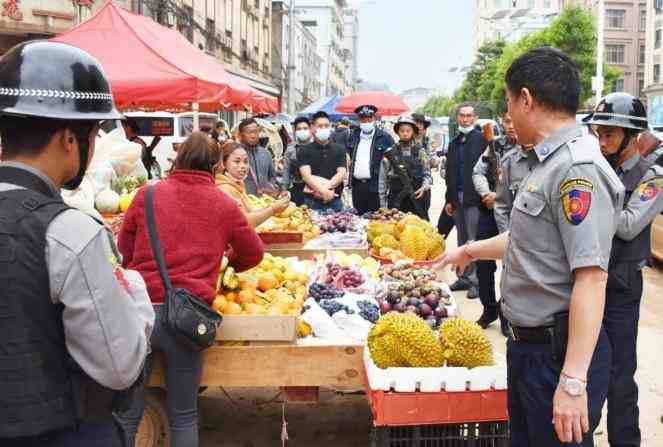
(82,135)
(613,159)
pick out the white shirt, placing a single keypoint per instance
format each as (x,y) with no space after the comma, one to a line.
(363,156)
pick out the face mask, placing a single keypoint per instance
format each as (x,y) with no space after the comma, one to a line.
(465,130)
(323,134)
(302,135)
(222,138)
(367,127)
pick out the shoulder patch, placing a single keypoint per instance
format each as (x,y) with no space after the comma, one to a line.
(584,149)
(649,189)
(576,205)
(576,183)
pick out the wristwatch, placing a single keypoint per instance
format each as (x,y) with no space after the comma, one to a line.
(572,386)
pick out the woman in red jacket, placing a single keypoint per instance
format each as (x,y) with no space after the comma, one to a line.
(196,223)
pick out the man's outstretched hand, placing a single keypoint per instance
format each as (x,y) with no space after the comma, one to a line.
(458,257)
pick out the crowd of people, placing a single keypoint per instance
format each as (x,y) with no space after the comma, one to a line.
(567,207)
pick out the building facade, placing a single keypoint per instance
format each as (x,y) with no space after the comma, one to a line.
(653,60)
(324,18)
(306,79)
(511,19)
(22,20)
(351,47)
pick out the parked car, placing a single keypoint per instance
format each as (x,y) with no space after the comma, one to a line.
(173,128)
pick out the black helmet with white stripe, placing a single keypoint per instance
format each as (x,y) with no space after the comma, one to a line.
(406,119)
(619,110)
(54,80)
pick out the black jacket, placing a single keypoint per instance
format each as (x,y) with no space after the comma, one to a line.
(474,145)
(382,141)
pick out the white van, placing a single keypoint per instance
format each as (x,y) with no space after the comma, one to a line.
(171,127)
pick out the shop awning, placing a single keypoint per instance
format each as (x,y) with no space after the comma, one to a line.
(151,66)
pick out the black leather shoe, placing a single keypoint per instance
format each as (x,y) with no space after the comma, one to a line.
(461,284)
(473,292)
(486,319)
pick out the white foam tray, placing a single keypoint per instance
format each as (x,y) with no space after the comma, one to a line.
(432,380)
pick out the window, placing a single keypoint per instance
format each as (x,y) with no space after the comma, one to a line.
(657,73)
(657,39)
(210,28)
(228,15)
(641,58)
(614,54)
(618,86)
(547,4)
(615,18)
(641,87)
(643,19)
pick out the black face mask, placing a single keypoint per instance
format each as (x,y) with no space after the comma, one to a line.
(82,135)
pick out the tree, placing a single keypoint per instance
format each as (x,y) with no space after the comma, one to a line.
(438,106)
(573,32)
(480,75)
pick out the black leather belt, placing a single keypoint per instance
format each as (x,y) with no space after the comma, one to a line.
(542,335)
(362,180)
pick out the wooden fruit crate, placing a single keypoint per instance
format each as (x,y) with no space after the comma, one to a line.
(281,328)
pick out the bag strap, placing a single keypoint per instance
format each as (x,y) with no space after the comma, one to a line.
(154,238)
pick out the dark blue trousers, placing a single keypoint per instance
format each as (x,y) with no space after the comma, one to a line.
(486,269)
(86,435)
(622,313)
(533,376)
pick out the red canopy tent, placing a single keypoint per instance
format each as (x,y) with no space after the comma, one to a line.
(387,104)
(151,66)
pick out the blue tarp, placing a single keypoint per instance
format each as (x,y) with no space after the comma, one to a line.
(328,105)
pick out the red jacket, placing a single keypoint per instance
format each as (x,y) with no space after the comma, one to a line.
(196,223)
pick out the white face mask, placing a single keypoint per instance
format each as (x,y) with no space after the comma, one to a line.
(465,130)
(367,127)
(323,134)
(302,135)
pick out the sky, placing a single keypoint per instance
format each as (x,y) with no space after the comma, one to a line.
(413,43)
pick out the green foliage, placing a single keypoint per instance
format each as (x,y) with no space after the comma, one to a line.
(573,32)
(438,106)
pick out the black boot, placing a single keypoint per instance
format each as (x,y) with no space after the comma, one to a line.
(487,317)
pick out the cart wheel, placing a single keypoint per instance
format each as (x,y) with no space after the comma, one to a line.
(154,430)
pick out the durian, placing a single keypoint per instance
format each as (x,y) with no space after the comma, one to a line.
(414,243)
(404,340)
(386,240)
(378,228)
(410,219)
(436,245)
(464,343)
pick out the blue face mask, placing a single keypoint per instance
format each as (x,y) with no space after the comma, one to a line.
(302,135)
(367,127)
(323,134)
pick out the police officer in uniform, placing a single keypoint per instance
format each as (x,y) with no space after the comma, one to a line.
(555,259)
(405,172)
(618,120)
(74,325)
(485,177)
(366,147)
(423,123)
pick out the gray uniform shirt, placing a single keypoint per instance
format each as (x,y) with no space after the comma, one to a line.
(514,167)
(261,164)
(564,218)
(107,324)
(386,171)
(645,203)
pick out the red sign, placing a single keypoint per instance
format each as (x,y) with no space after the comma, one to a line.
(10,9)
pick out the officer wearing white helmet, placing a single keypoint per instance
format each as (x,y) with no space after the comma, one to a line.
(74,326)
(618,120)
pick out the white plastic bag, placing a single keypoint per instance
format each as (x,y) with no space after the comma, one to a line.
(321,323)
(81,198)
(123,155)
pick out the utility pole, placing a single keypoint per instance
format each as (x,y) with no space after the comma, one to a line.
(291,58)
(597,82)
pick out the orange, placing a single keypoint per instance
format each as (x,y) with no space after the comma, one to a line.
(247,283)
(232,309)
(219,303)
(267,281)
(246,296)
(232,296)
(254,309)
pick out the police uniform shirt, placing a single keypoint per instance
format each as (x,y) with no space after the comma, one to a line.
(107,315)
(514,167)
(387,171)
(564,218)
(645,203)
(362,165)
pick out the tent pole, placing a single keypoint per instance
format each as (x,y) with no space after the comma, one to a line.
(196,119)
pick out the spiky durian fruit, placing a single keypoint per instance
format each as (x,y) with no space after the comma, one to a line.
(464,343)
(386,240)
(436,245)
(404,340)
(414,243)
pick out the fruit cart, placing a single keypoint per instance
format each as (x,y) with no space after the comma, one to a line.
(299,367)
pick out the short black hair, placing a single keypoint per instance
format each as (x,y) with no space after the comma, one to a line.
(551,76)
(220,124)
(466,104)
(299,120)
(247,122)
(27,135)
(318,115)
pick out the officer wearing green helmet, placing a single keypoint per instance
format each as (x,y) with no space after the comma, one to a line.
(618,120)
(75,326)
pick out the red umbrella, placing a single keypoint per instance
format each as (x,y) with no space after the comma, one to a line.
(387,104)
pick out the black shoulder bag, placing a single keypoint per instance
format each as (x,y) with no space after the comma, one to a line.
(188,317)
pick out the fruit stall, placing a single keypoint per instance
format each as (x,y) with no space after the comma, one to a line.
(348,303)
